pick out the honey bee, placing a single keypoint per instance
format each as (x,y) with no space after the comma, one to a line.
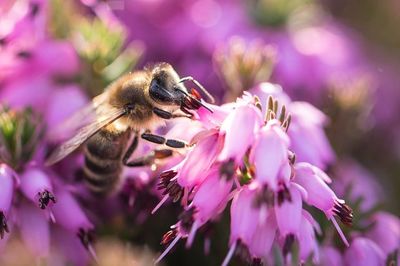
(135,103)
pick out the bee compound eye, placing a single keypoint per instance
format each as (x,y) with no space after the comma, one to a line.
(159,93)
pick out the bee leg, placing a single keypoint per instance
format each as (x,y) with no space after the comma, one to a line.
(167,115)
(173,143)
(150,158)
(130,150)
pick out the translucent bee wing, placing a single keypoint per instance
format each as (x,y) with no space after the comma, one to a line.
(77,120)
(101,116)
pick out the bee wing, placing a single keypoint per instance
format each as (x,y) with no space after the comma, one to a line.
(101,116)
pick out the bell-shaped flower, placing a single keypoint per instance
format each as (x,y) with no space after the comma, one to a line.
(330,256)
(321,196)
(364,252)
(308,139)
(35,229)
(307,241)
(198,161)
(263,238)
(289,212)
(239,129)
(69,214)
(210,199)
(385,231)
(270,155)
(37,187)
(6,196)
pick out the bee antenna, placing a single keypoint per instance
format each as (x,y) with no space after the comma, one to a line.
(189,78)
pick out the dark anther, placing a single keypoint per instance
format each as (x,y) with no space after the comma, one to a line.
(169,186)
(344,212)
(287,246)
(3,41)
(227,169)
(44,199)
(264,196)
(169,236)
(284,195)
(24,54)
(3,225)
(256,262)
(34,9)
(86,237)
(187,219)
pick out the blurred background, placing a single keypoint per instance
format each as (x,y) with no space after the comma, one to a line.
(341,56)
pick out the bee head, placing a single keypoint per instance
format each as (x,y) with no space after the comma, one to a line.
(165,87)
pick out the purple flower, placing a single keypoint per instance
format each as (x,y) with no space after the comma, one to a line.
(385,232)
(330,256)
(365,252)
(269,186)
(37,187)
(6,195)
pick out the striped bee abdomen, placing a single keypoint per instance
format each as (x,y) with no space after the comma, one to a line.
(103,160)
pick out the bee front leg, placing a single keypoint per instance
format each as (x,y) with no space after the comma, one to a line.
(173,143)
(167,115)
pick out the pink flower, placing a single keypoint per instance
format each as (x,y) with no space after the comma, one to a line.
(289,213)
(240,125)
(330,256)
(307,240)
(364,252)
(37,187)
(199,160)
(270,155)
(6,196)
(263,238)
(385,231)
(207,208)
(35,229)
(313,180)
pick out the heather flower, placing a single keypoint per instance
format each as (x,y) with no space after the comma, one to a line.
(269,189)
(364,252)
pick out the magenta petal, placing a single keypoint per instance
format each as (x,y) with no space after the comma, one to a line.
(263,238)
(385,231)
(270,154)
(219,188)
(288,214)
(243,216)
(239,129)
(364,252)
(6,187)
(34,229)
(198,161)
(319,194)
(307,241)
(34,181)
(330,256)
(68,213)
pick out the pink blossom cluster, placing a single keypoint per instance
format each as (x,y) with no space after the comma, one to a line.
(242,154)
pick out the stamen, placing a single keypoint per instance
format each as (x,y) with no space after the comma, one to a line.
(229,255)
(227,169)
(256,262)
(186,219)
(168,236)
(170,186)
(287,246)
(173,243)
(344,212)
(44,199)
(339,230)
(284,195)
(86,237)
(192,234)
(162,201)
(3,225)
